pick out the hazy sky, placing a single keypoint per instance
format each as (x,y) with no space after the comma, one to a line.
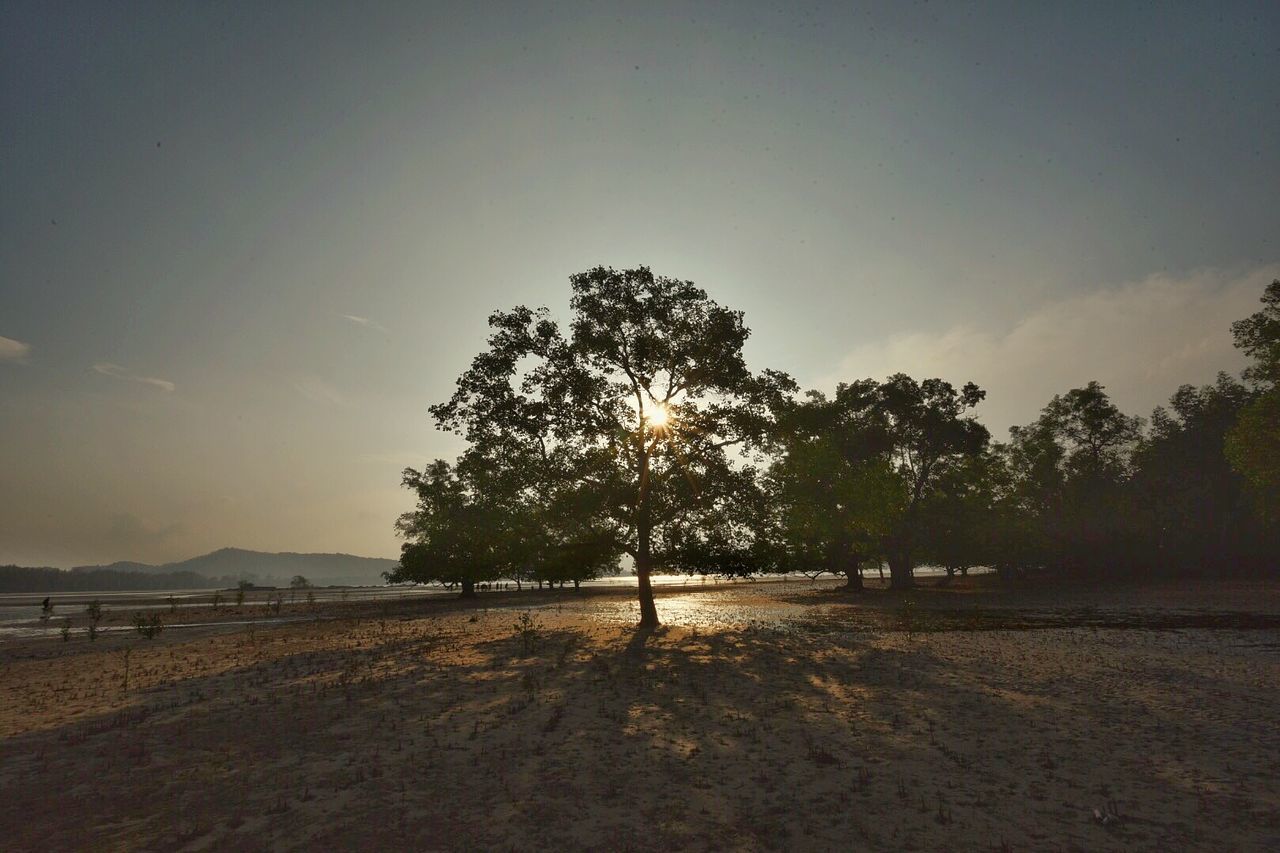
(244,246)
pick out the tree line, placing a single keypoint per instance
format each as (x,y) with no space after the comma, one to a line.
(637,430)
(30,579)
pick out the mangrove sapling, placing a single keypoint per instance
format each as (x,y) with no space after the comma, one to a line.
(124,654)
(527,630)
(94,612)
(148,626)
(66,630)
(217,600)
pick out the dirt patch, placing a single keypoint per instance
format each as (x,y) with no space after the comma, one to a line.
(760,722)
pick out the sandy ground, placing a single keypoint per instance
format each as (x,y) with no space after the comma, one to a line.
(768,717)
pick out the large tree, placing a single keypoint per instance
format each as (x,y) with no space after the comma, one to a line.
(1069,474)
(1194,508)
(466,528)
(634,412)
(929,428)
(832,489)
(1253,445)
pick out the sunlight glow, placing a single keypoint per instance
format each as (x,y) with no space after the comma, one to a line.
(657,416)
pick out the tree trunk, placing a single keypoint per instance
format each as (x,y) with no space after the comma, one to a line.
(644,561)
(853,571)
(648,610)
(577,584)
(900,576)
(854,576)
(468,589)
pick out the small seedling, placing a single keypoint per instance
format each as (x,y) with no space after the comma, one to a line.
(94,612)
(527,630)
(148,626)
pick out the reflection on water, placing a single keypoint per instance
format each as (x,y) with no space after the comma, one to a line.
(20,632)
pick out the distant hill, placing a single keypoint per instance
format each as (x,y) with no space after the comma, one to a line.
(266,568)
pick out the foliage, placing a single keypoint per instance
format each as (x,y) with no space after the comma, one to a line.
(929,428)
(832,491)
(1253,444)
(464,530)
(1064,501)
(526,628)
(628,417)
(635,430)
(94,611)
(148,626)
(1193,509)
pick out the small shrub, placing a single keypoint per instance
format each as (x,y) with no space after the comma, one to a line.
(66,630)
(94,612)
(217,600)
(527,630)
(148,626)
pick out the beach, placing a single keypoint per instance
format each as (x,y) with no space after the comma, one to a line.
(783,716)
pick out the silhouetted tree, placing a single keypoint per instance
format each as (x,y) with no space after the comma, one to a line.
(960,517)
(833,491)
(463,530)
(1194,508)
(1253,444)
(928,429)
(1069,471)
(634,410)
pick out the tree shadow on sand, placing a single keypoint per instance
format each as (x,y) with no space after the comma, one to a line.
(417,734)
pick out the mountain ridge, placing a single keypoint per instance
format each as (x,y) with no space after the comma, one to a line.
(266,567)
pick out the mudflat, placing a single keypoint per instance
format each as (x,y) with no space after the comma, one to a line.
(765,716)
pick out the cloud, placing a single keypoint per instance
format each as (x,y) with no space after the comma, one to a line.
(1141,339)
(11,350)
(317,390)
(366,323)
(108,369)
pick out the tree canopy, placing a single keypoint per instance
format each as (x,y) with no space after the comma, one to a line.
(629,416)
(634,429)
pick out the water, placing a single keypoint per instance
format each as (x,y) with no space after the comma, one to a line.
(20,612)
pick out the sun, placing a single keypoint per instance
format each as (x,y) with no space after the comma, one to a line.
(657,416)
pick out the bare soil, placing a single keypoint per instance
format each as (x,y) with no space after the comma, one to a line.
(760,717)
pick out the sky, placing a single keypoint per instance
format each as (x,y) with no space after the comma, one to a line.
(243,247)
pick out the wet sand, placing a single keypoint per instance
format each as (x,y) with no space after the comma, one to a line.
(760,717)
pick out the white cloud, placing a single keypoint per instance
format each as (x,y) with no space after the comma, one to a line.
(11,350)
(317,390)
(1142,340)
(108,369)
(366,323)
